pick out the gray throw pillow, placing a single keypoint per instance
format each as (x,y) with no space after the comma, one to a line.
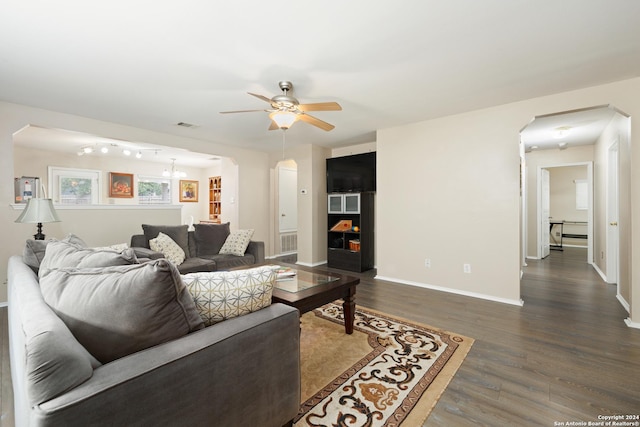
(210,238)
(178,233)
(34,250)
(61,254)
(116,311)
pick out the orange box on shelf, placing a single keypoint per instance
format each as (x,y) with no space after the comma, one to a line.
(354,245)
(342,225)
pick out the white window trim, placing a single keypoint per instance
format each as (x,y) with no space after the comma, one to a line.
(55,172)
(582,194)
(159,179)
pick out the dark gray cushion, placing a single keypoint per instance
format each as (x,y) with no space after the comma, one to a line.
(61,254)
(178,234)
(116,311)
(210,238)
(55,361)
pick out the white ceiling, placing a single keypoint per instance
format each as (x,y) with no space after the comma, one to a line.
(154,64)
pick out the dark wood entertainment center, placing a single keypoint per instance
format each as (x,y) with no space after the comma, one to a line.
(351,185)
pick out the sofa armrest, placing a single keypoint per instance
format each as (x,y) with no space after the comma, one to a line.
(139,241)
(257,250)
(142,253)
(243,371)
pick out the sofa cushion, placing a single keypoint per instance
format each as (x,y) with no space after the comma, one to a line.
(222,295)
(118,247)
(62,254)
(227,262)
(197,264)
(34,250)
(54,361)
(210,238)
(178,233)
(170,249)
(236,243)
(116,311)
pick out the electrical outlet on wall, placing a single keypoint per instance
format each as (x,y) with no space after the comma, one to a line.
(427,262)
(466,268)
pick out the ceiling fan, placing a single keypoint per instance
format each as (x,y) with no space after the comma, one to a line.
(285,109)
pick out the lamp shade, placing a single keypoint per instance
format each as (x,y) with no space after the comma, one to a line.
(284,119)
(38,211)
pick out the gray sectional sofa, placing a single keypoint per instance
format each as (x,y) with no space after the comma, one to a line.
(201,247)
(79,369)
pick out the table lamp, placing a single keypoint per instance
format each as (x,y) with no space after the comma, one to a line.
(38,211)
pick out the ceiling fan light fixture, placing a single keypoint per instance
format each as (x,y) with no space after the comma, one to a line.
(284,119)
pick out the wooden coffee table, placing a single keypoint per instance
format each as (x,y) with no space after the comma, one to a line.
(307,291)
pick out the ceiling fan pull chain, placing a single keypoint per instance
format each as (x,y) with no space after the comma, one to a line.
(283,139)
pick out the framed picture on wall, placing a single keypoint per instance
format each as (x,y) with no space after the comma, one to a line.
(120,184)
(188,190)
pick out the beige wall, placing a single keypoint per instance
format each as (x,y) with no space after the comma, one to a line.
(100,227)
(448,190)
(312,206)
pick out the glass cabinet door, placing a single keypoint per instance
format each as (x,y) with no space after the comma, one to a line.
(352,203)
(335,203)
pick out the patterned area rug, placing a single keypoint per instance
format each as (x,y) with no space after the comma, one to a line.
(389,372)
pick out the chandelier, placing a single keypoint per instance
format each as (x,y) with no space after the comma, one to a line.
(174,173)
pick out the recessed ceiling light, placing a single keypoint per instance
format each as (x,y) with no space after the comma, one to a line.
(126,152)
(561,132)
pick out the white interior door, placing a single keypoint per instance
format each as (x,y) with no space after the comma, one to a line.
(544,213)
(613,237)
(287,199)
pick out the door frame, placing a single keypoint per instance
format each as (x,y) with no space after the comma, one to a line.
(544,243)
(613,215)
(589,165)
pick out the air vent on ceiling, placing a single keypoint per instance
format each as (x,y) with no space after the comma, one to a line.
(186,125)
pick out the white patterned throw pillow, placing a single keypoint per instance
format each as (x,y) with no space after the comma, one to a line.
(170,249)
(237,242)
(221,295)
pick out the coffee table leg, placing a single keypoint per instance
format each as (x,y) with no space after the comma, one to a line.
(349,310)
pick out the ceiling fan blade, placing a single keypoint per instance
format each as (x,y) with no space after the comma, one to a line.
(316,122)
(264,98)
(240,111)
(320,106)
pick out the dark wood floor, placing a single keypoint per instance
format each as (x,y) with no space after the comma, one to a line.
(566,355)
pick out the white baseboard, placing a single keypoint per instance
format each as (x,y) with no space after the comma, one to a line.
(624,303)
(311,264)
(519,302)
(4,304)
(632,324)
(600,272)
